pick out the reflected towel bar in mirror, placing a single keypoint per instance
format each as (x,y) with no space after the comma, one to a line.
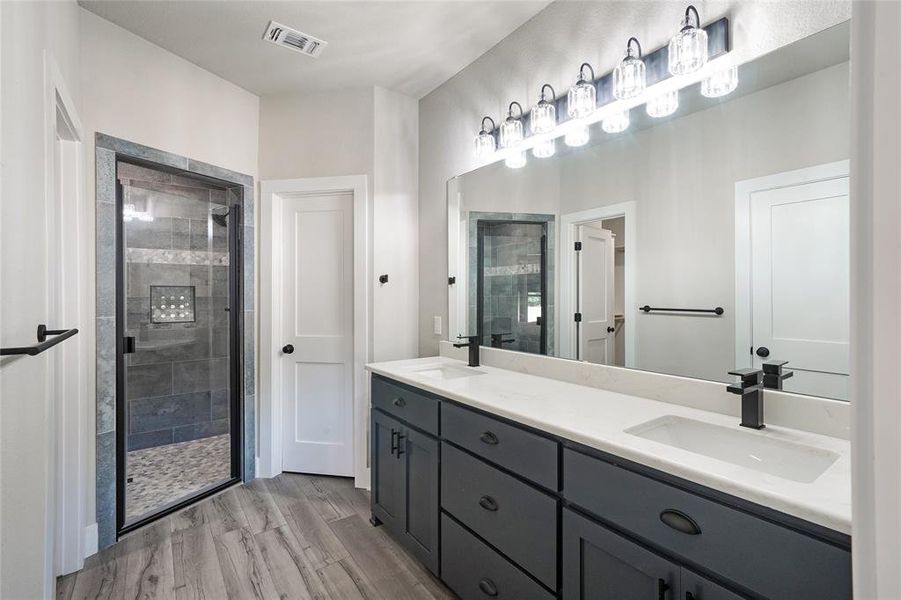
(43,343)
(718,311)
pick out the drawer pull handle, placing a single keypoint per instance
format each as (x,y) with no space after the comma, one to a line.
(488,503)
(489,438)
(400,444)
(662,589)
(680,522)
(393,441)
(399,402)
(689,596)
(488,588)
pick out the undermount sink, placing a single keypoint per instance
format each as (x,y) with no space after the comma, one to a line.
(788,460)
(448,372)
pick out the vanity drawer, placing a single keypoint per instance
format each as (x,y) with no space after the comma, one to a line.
(523,452)
(514,517)
(767,559)
(416,408)
(475,572)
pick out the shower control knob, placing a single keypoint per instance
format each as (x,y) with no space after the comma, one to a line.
(288,349)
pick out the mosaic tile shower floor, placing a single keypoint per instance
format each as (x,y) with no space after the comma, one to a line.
(165,474)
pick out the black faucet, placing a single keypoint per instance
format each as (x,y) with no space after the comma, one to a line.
(773,375)
(498,341)
(473,344)
(751,390)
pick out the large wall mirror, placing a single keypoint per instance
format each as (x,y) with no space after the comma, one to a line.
(713,239)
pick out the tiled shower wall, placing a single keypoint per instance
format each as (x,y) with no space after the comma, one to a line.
(178,377)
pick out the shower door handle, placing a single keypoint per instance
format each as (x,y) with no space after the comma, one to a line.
(128,344)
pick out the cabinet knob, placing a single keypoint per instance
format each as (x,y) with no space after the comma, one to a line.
(489,438)
(488,503)
(488,588)
(399,402)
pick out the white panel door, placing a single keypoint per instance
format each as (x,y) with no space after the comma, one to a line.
(317,320)
(596,287)
(800,283)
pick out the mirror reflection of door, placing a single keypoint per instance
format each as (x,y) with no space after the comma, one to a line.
(512,285)
(800,283)
(599,323)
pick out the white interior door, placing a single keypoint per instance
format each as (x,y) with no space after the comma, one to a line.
(317,377)
(800,283)
(596,298)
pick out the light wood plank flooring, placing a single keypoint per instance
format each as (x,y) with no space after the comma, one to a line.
(291,537)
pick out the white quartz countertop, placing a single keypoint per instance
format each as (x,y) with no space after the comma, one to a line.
(598,418)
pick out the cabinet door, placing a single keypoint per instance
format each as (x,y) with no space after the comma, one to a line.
(695,587)
(419,457)
(599,564)
(387,472)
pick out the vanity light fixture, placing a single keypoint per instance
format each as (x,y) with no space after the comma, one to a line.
(616,123)
(544,114)
(663,105)
(516,160)
(720,83)
(544,149)
(688,48)
(577,137)
(582,97)
(511,128)
(484,144)
(629,77)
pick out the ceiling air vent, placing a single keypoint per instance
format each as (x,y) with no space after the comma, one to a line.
(278,34)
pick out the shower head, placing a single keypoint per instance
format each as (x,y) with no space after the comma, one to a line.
(221,219)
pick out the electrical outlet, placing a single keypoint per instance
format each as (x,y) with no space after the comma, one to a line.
(437,323)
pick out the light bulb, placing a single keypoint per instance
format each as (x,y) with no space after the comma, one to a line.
(516,160)
(616,123)
(544,114)
(544,149)
(484,145)
(577,137)
(688,48)
(582,97)
(629,78)
(511,128)
(720,83)
(663,105)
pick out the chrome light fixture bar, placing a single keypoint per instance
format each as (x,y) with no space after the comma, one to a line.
(688,49)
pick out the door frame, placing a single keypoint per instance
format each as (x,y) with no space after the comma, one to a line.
(568,274)
(743,191)
(272,193)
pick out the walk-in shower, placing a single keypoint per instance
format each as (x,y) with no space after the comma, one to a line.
(178,267)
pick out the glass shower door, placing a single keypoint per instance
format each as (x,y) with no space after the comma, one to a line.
(177,359)
(511,285)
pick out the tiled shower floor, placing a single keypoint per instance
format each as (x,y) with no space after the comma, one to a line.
(165,474)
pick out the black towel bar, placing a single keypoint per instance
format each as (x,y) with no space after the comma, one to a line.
(716,311)
(43,343)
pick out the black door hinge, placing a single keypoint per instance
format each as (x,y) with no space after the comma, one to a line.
(578,246)
(578,317)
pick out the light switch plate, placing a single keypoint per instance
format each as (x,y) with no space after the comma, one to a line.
(437,323)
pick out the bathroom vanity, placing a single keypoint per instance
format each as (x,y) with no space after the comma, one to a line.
(508,485)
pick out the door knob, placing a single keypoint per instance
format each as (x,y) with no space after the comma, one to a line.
(288,349)
(763,352)
(611,329)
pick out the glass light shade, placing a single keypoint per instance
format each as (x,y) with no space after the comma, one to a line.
(616,123)
(720,83)
(516,160)
(581,100)
(544,117)
(545,149)
(511,132)
(629,78)
(687,50)
(577,137)
(663,105)
(484,144)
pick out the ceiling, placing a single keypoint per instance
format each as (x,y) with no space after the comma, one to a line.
(410,47)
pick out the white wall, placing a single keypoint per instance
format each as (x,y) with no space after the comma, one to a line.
(137,91)
(549,48)
(27,30)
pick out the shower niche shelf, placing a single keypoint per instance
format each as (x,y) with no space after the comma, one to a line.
(172,304)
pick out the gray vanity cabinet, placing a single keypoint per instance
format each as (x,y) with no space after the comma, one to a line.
(695,587)
(387,491)
(599,564)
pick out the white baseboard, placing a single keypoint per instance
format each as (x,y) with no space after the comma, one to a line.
(90,540)
(256,464)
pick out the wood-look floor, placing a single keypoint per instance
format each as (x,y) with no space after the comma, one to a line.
(291,537)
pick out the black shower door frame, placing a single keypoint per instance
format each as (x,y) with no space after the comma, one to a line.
(236,336)
(480,276)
